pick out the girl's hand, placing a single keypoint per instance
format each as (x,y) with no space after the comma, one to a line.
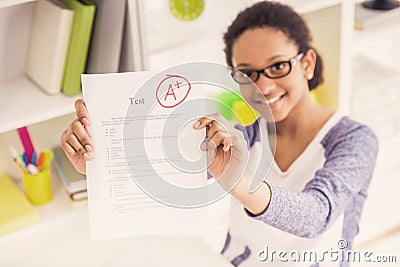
(227,153)
(227,156)
(75,140)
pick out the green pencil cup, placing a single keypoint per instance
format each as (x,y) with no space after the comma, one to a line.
(38,186)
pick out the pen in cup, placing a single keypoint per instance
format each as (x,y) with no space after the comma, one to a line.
(24,157)
(32,169)
(36,181)
(20,163)
(34,158)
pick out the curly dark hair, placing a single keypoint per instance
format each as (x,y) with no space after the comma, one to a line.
(280,17)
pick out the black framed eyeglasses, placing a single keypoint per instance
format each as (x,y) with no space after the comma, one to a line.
(274,71)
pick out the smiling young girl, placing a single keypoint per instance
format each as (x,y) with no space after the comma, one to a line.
(314,192)
(312,197)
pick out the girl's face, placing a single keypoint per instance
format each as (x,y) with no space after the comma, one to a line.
(259,48)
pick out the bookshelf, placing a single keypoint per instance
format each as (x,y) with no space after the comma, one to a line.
(22,102)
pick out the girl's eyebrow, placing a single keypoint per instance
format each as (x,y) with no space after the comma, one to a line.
(268,60)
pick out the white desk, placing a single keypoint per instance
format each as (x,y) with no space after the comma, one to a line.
(63,239)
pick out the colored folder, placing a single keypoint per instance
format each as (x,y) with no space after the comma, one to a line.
(49,40)
(106,43)
(16,212)
(84,12)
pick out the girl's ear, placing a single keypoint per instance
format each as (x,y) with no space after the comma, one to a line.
(308,61)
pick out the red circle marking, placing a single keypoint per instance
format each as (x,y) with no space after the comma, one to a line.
(168,77)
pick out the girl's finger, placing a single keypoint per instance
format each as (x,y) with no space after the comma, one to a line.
(64,144)
(222,138)
(215,127)
(207,120)
(202,122)
(81,112)
(78,130)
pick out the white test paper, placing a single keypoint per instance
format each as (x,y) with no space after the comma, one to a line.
(117,206)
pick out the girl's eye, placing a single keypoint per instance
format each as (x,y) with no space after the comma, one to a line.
(249,73)
(278,67)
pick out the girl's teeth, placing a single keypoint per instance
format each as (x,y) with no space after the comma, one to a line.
(273,100)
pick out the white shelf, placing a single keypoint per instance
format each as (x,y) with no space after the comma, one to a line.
(306,6)
(379,28)
(8,3)
(22,103)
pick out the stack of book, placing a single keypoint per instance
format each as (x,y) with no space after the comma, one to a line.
(74,183)
(71,37)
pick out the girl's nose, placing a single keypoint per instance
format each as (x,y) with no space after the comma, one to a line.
(265,84)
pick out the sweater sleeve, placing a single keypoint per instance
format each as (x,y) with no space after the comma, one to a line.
(350,152)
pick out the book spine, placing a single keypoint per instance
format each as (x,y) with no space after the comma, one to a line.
(61,173)
(61,50)
(79,45)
